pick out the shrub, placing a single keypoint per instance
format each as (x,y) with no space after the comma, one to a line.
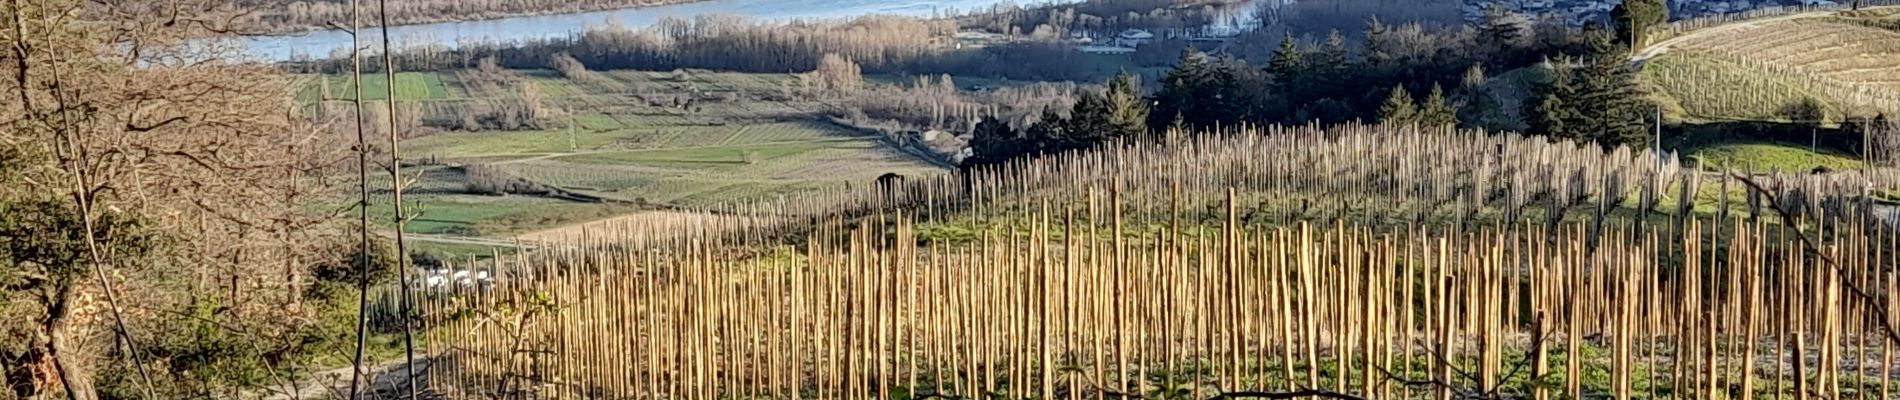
(485,179)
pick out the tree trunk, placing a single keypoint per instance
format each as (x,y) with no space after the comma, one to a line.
(24,373)
(72,370)
(60,344)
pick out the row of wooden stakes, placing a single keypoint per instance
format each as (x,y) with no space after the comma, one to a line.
(1076,305)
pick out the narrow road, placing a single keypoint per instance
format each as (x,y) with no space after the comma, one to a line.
(527,157)
(505,243)
(385,380)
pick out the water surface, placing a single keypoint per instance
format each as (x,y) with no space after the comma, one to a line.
(323,43)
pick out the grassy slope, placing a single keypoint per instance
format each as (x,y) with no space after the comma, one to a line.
(1769,156)
(624,148)
(409,86)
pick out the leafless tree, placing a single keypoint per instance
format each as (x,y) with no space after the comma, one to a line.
(293,15)
(199,166)
(1883,139)
(837,74)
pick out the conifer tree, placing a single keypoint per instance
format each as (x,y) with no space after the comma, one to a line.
(1127,110)
(1503,34)
(1481,108)
(1436,112)
(1287,64)
(1550,112)
(1182,90)
(1088,123)
(1633,19)
(993,142)
(1331,66)
(1202,93)
(1399,107)
(1608,100)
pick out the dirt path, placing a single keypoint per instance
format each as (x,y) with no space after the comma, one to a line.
(636,227)
(386,381)
(527,157)
(478,241)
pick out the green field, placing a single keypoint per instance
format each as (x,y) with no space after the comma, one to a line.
(493,216)
(409,86)
(703,157)
(741,140)
(1768,157)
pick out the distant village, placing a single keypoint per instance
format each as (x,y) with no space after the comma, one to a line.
(1117,44)
(1573,12)
(1584,12)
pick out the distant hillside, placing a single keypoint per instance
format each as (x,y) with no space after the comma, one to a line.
(1834,64)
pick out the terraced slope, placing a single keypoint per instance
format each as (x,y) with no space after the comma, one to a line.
(1847,63)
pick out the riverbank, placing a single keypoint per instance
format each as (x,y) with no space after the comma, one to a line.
(322,43)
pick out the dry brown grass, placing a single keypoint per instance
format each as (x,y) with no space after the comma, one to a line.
(634,226)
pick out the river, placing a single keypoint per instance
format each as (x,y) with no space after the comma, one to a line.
(322,43)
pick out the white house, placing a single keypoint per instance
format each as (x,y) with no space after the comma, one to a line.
(1134,38)
(1110,50)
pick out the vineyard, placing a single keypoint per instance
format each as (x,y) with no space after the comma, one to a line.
(1348,263)
(1767,66)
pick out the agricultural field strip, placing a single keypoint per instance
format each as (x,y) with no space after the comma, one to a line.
(538,156)
(1599,282)
(585,98)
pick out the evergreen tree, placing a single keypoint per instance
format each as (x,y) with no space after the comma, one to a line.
(1286,66)
(1399,107)
(1437,112)
(1089,122)
(1182,90)
(1503,35)
(993,142)
(1633,19)
(1234,88)
(1127,110)
(1331,66)
(1202,93)
(1550,112)
(1608,100)
(1480,108)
